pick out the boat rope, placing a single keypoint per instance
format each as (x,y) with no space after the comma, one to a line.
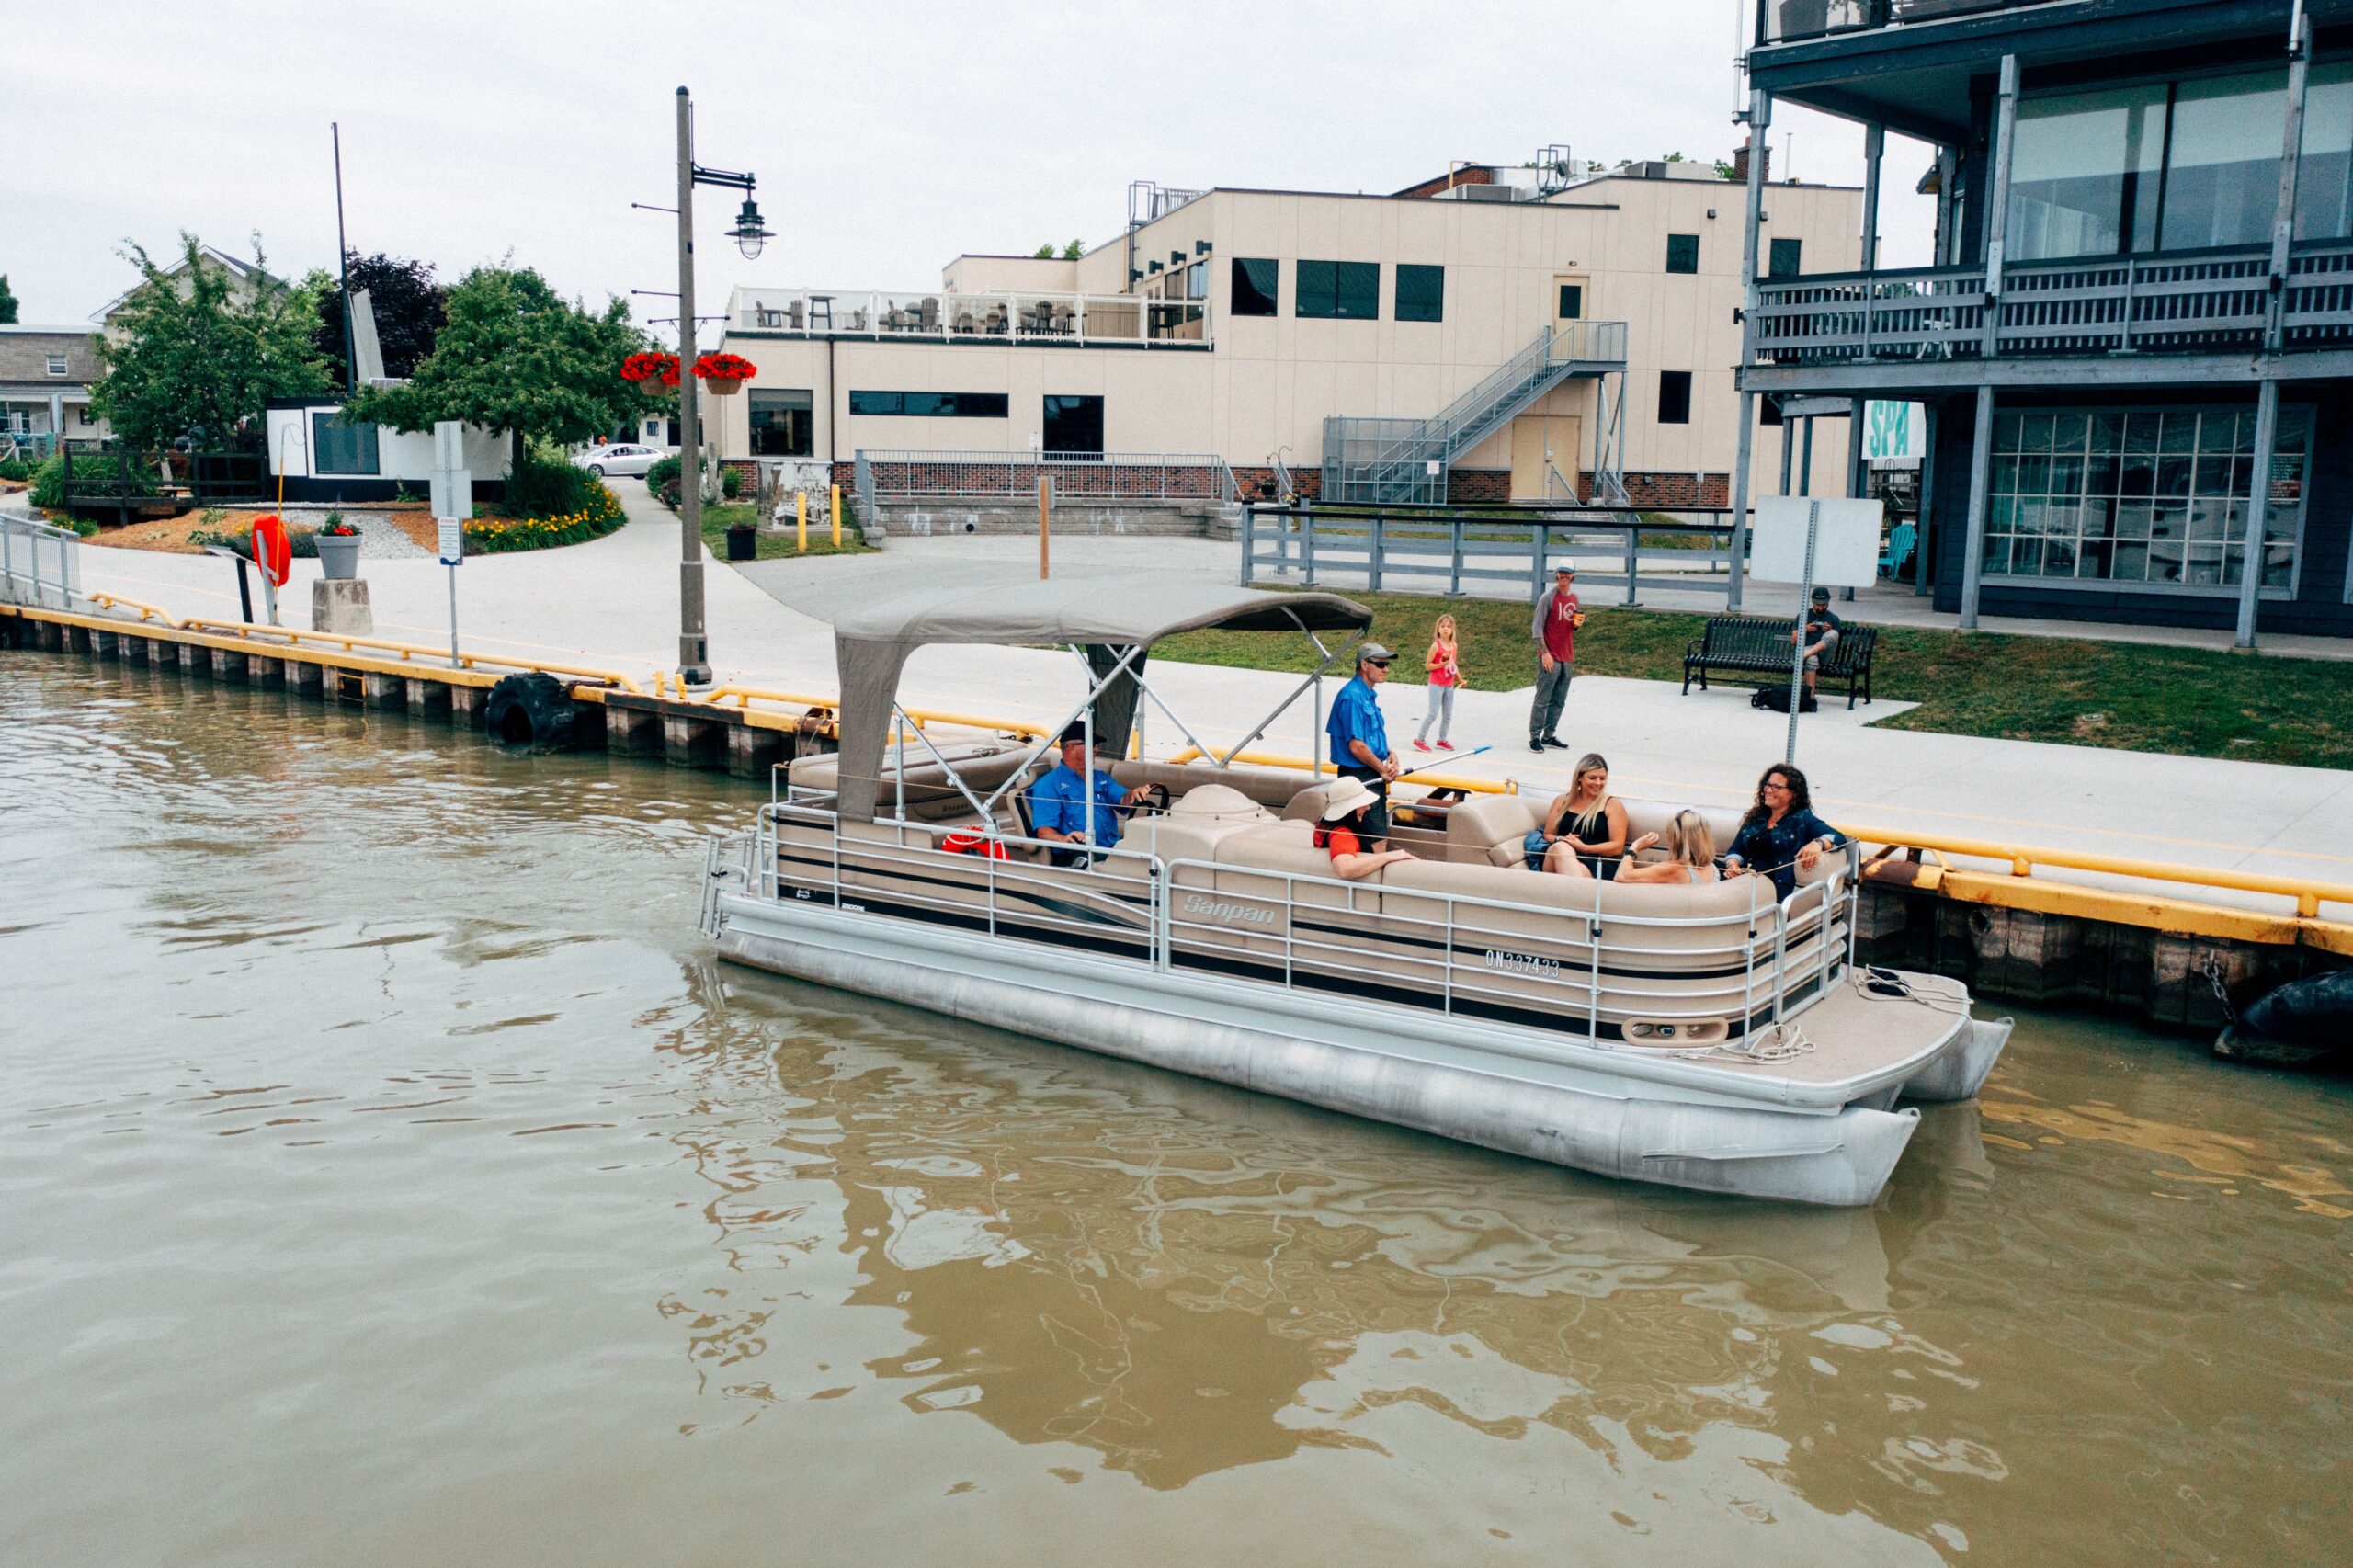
(1775,1042)
(1873,983)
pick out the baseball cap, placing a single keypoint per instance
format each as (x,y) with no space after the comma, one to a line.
(1373,653)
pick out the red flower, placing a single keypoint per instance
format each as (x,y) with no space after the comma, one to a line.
(646,367)
(725,367)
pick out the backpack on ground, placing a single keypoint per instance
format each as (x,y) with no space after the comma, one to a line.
(1776,698)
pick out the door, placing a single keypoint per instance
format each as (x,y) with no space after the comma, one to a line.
(1544,446)
(1572,303)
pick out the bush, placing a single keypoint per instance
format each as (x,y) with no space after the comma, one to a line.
(541,488)
(16,469)
(662,479)
(599,515)
(303,544)
(49,483)
(730,482)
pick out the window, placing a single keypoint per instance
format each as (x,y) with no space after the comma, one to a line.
(1344,290)
(1254,286)
(2155,497)
(1785,260)
(1075,425)
(57,364)
(930,406)
(1421,292)
(1767,411)
(1197,280)
(1572,302)
(1675,397)
(783,424)
(1683,253)
(2176,166)
(341,447)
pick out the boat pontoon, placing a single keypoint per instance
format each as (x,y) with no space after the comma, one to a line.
(1715,1037)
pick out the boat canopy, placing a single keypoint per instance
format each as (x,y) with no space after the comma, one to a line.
(1112,619)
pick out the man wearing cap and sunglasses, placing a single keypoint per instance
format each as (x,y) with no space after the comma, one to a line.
(1361,738)
(1555,627)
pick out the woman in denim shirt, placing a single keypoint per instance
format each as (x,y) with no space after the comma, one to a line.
(1780,836)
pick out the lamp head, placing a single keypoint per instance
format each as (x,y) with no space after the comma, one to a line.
(749,233)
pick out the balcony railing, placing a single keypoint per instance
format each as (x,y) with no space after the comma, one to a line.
(938,316)
(1786,21)
(1012,476)
(2209,303)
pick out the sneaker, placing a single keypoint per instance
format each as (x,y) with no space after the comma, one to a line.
(1536,745)
(1421,745)
(1555,743)
(1446,746)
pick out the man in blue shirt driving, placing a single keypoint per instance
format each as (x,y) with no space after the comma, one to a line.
(1060,803)
(1361,738)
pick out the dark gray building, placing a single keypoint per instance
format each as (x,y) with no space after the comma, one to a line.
(2136,348)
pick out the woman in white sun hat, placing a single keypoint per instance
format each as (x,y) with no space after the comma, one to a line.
(1345,829)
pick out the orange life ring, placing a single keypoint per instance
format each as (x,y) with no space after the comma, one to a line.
(273,552)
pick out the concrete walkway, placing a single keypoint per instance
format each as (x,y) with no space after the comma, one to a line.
(612,603)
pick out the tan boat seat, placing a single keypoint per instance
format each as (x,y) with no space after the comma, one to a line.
(1271,787)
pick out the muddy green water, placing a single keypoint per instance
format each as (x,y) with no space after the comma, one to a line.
(389,1174)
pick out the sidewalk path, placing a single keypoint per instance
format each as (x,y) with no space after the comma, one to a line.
(613,603)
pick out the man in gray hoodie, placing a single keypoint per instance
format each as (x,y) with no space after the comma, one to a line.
(1554,628)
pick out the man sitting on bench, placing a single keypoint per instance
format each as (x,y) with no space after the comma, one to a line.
(1059,804)
(1818,630)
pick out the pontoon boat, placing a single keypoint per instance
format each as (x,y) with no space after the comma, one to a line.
(1715,1037)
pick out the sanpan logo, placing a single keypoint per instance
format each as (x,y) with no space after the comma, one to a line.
(1521,963)
(1217,909)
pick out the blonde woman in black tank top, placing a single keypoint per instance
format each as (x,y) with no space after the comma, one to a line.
(1585,828)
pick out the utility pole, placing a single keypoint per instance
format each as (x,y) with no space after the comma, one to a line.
(694,645)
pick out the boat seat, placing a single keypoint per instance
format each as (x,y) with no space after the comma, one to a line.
(1271,787)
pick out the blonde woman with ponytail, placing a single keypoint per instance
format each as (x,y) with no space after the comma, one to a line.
(1690,853)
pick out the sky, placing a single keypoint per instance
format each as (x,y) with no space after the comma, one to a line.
(887,136)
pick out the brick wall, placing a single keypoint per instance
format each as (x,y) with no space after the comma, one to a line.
(1669,492)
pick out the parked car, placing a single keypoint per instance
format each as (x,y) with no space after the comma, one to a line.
(620,458)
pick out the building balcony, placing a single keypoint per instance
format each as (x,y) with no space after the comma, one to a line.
(1068,321)
(1787,21)
(2116,310)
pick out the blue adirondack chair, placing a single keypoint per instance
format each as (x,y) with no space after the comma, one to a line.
(1900,540)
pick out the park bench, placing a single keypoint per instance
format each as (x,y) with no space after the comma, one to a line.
(1752,645)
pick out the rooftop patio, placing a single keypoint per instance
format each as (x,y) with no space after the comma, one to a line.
(937,315)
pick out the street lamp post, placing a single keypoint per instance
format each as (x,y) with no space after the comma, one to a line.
(694,644)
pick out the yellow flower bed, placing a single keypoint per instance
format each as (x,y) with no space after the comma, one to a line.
(492,535)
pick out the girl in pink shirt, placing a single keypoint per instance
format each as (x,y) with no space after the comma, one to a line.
(1445,674)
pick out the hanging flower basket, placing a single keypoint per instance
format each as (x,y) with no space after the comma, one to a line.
(724,374)
(650,367)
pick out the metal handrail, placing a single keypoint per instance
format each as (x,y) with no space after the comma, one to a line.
(982,474)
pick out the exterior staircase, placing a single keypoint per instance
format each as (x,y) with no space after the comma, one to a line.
(1404,462)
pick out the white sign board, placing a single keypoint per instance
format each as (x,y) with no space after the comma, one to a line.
(1894,433)
(1846,545)
(453,541)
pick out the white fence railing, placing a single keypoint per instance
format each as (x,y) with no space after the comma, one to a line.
(1077,476)
(1008,317)
(39,563)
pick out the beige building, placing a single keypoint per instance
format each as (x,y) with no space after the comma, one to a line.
(1530,333)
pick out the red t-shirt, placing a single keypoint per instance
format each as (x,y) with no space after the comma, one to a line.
(1339,841)
(1561,628)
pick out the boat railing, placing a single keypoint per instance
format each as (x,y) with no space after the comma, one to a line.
(1778,956)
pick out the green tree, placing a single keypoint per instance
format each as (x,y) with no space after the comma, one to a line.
(8,302)
(201,356)
(406,302)
(514,356)
(1074,250)
(1045,252)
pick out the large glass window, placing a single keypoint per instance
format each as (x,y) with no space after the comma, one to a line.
(783,424)
(1073,424)
(1346,291)
(1253,285)
(1683,253)
(339,446)
(2084,179)
(929,404)
(2223,175)
(2176,166)
(1421,292)
(2153,496)
(1785,260)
